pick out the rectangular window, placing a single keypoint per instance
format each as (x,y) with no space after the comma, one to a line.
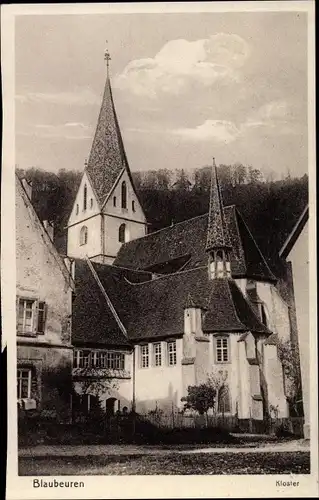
(26,315)
(144,356)
(83,359)
(157,352)
(24,383)
(222,350)
(171,351)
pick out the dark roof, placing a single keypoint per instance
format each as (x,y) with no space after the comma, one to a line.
(188,239)
(292,238)
(154,308)
(92,320)
(107,157)
(217,231)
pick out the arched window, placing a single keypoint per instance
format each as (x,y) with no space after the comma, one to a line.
(223,400)
(124,195)
(83,235)
(85,195)
(122,233)
(133,206)
(77,209)
(114,201)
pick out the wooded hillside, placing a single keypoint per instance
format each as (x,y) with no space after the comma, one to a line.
(270,208)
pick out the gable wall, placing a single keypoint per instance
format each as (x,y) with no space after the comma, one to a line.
(39,274)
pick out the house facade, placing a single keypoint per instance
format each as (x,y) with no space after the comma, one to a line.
(43,301)
(155,313)
(296,251)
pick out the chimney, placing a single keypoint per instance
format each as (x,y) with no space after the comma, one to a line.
(49,228)
(27,186)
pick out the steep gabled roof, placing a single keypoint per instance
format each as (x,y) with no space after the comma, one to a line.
(154,308)
(93,322)
(107,158)
(188,239)
(292,238)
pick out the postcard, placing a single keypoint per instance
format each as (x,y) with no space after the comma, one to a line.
(159,250)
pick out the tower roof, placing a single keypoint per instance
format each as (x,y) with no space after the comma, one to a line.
(217,231)
(107,157)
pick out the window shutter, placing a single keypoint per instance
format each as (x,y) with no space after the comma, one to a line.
(35,311)
(41,318)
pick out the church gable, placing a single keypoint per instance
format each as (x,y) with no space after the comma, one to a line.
(123,200)
(85,204)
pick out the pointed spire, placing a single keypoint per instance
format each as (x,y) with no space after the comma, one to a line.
(107,157)
(217,232)
(107,58)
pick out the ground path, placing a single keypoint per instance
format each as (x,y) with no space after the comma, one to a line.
(116,450)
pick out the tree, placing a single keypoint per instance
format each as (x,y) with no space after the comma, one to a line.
(289,357)
(203,397)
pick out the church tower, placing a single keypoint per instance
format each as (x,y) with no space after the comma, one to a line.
(106,212)
(218,244)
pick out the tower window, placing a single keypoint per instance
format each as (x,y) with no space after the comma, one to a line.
(122,233)
(114,201)
(124,195)
(83,235)
(85,194)
(91,203)
(77,209)
(133,206)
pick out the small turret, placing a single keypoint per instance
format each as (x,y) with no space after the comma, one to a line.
(218,244)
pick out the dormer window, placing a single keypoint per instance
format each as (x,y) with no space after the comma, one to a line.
(83,235)
(85,197)
(123,195)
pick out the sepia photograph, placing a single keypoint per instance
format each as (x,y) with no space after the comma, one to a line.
(164,189)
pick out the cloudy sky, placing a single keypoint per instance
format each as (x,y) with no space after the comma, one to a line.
(186,87)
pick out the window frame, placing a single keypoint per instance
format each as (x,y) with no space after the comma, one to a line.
(224,389)
(157,356)
(144,356)
(98,359)
(19,383)
(222,349)
(172,353)
(124,195)
(83,235)
(85,195)
(122,228)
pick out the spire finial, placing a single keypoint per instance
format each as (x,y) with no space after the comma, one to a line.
(107,57)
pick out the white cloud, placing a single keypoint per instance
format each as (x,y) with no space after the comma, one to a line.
(80,97)
(181,63)
(221,131)
(273,117)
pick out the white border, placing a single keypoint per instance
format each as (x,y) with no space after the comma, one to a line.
(143,486)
